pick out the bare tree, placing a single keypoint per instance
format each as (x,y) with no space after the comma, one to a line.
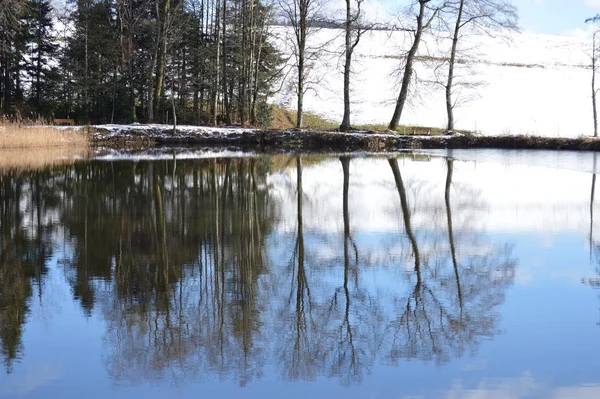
(301,15)
(595,41)
(354,32)
(423,23)
(481,16)
(130,19)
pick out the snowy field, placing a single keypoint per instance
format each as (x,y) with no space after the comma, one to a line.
(530,83)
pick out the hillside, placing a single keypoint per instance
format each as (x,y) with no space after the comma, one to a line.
(525,83)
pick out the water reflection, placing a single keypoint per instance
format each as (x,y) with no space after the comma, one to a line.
(198,268)
(26,229)
(451,305)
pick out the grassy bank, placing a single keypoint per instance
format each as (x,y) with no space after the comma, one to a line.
(17,135)
(283,119)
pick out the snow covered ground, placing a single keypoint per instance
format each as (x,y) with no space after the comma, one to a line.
(531,83)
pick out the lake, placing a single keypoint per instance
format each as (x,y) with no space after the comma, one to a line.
(463,274)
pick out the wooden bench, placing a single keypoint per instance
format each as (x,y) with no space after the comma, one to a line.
(64,122)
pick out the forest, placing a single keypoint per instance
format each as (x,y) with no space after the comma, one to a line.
(134,60)
(199,61)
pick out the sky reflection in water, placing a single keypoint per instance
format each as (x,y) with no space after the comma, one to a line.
(416,276)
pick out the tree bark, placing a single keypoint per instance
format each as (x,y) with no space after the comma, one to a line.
(301,32)
(163,18)
(408,68)
(345,126)
(215,95)
(130,74)
(256,71)
(226,97)
(449,105)
(594,92)
(173,109)
(7,86)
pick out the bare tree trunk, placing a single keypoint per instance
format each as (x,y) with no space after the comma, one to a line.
(449,104)
(256,71)
(252,28)
(243,81)
(130,76)
(215,92)
(226,97)
(173,108)
(297,13)
(594,92)
(302,28)
(345,126)
(300,103)
(86,81)
(198,41)
(150,105)
(162,51)
(114,95)
(151,72)
(408,68)
(7,86)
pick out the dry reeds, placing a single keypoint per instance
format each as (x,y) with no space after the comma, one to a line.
(18,135)
(29,147)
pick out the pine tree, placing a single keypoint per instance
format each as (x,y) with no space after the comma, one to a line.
(41,49)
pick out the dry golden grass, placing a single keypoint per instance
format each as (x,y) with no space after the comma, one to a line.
(13,135)
(284,119)
(25,147)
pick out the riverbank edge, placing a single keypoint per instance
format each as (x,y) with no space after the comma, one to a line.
(327,141)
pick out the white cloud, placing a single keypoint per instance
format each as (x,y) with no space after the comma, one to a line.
(32,378)
(521,387)
(593,3)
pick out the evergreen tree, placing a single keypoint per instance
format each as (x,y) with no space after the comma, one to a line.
(41,50)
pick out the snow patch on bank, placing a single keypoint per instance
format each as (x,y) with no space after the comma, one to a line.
(188,129)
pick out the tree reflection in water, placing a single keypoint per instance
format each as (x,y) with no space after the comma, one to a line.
(192,267)
(26,229)
(451,305)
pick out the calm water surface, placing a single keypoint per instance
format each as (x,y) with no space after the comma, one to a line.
(473,275)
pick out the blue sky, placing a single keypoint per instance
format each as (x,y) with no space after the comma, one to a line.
(543,16)
(555,16)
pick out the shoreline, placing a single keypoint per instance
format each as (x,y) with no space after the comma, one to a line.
(326,141)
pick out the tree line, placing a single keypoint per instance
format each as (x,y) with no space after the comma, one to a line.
(137,60)
(198,61)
